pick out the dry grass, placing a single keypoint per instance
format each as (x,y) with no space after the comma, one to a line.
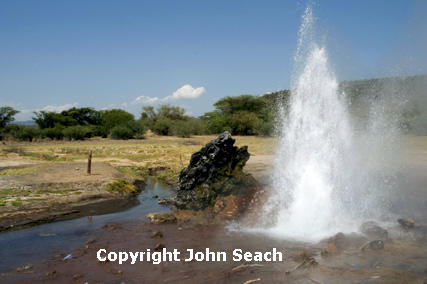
(16,172)
(141,155)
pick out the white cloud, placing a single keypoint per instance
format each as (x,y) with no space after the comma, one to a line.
(145,100)
(124,104)
(186,92)
(59,108)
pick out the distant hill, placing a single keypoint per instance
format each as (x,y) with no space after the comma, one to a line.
(401,98)
(26,123)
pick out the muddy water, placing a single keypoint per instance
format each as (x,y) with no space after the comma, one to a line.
(35,244)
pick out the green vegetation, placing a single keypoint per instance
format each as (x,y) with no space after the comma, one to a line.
(241,115)
(17,172)
(121,185)
(34,199)
(7,114)
(17,202)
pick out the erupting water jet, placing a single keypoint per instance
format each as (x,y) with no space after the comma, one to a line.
(322,183)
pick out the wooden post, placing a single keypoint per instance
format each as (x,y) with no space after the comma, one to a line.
(180,159)
(89,162)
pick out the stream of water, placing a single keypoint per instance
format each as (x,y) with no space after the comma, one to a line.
(36,244)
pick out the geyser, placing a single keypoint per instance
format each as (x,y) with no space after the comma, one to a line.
(323,182)
(315,146)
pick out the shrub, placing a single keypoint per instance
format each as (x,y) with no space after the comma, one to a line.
(264,128)
(215,123)
(98,130)
(55,132)
(27,133)
(121,185)
(76,132)
(121,132)
(182,129)
(163,126)
(187,128)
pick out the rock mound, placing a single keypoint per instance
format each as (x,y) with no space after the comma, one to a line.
(215,170)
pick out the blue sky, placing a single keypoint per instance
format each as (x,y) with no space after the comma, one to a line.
(130,54)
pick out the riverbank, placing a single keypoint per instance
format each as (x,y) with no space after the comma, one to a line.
(50,191)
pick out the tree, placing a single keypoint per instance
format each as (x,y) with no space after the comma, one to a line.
(171,112)
(49,119)
(243,122)
(215,122)
(148,112)
(115,117)
(7,114)
(249,103)
(165,118)
(241,115)
(83,116)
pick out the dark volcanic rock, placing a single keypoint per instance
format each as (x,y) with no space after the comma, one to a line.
(372,230)
(215,170)
(406,223)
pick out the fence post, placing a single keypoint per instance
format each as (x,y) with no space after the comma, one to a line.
(89,162)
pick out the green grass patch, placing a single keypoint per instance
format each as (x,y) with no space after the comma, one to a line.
(14,191)
(35,199)
(17,172)
(169,175)
(17,202)
(133,172)
(121,185)
(54,191)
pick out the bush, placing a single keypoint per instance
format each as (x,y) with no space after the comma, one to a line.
(77,132)
(121,132)
(115,117)
(163,126)
(139,136)
(121,185)
(98,130)
(187,128)
(243,122)
(27,133)
(136,126)
(12,128)
(264,128)
(182,129)
(54,133)
(215,122)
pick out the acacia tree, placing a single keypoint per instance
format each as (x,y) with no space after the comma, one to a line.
(7,114)
(49,119)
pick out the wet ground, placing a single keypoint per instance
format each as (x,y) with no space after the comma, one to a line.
(401,261)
